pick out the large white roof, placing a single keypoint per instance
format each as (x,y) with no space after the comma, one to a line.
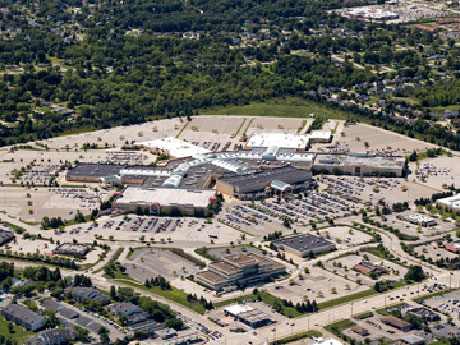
(282,140)
(321,341)
(166,196)
(453,201)
(237,309)
(176,147)
(320,135)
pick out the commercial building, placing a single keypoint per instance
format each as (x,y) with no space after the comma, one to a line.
(248,315)
(6,236)
(419,219)
(239,270)
(451,204)
(453,247)
(166,200)
(320,137)
(413,339)
(24,317)
(425,314)
(91,172)
(258,185)
(395,322)
(360,165)
(298,142)
(305,245)
(368,268)
(360,330)
(173,147)
(78,250)
(321,341)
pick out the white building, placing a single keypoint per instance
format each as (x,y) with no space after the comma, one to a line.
(173,147)
(321,341)
(450,204)
(164,200)
(298,142)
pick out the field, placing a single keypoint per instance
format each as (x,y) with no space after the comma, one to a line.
(289,107)
(19,334)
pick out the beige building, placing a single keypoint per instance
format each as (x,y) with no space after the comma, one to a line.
(360,165)
(239,270)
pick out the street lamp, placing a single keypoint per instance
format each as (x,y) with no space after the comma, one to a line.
(292,328)
(274,333)
(351,309)
(450,280)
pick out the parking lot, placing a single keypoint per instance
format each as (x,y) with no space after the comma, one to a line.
(319,285)
(188,231)
(448,303)
(344,267)
(344,236)
(147,263)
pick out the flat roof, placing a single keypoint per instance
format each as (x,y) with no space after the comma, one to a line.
(211,276)
(176,147)
(320,135)
(296,141)
(304,242)
(237,309)
(287,174)
(361,159)
(452,201)
(166,196)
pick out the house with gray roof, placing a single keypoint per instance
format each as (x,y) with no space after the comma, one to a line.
(55,336)
(24,317)
(126,309)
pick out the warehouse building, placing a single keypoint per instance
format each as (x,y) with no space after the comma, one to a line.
(166,200)
(259,185)
(239,270)
(360,165)
(305,245)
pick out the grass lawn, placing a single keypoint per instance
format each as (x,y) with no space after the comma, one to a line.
(364,315)
(174,294)
(289,107)
(346,299)
(338,327)
(19,334)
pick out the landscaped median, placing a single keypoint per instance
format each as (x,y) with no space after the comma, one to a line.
(296,337)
